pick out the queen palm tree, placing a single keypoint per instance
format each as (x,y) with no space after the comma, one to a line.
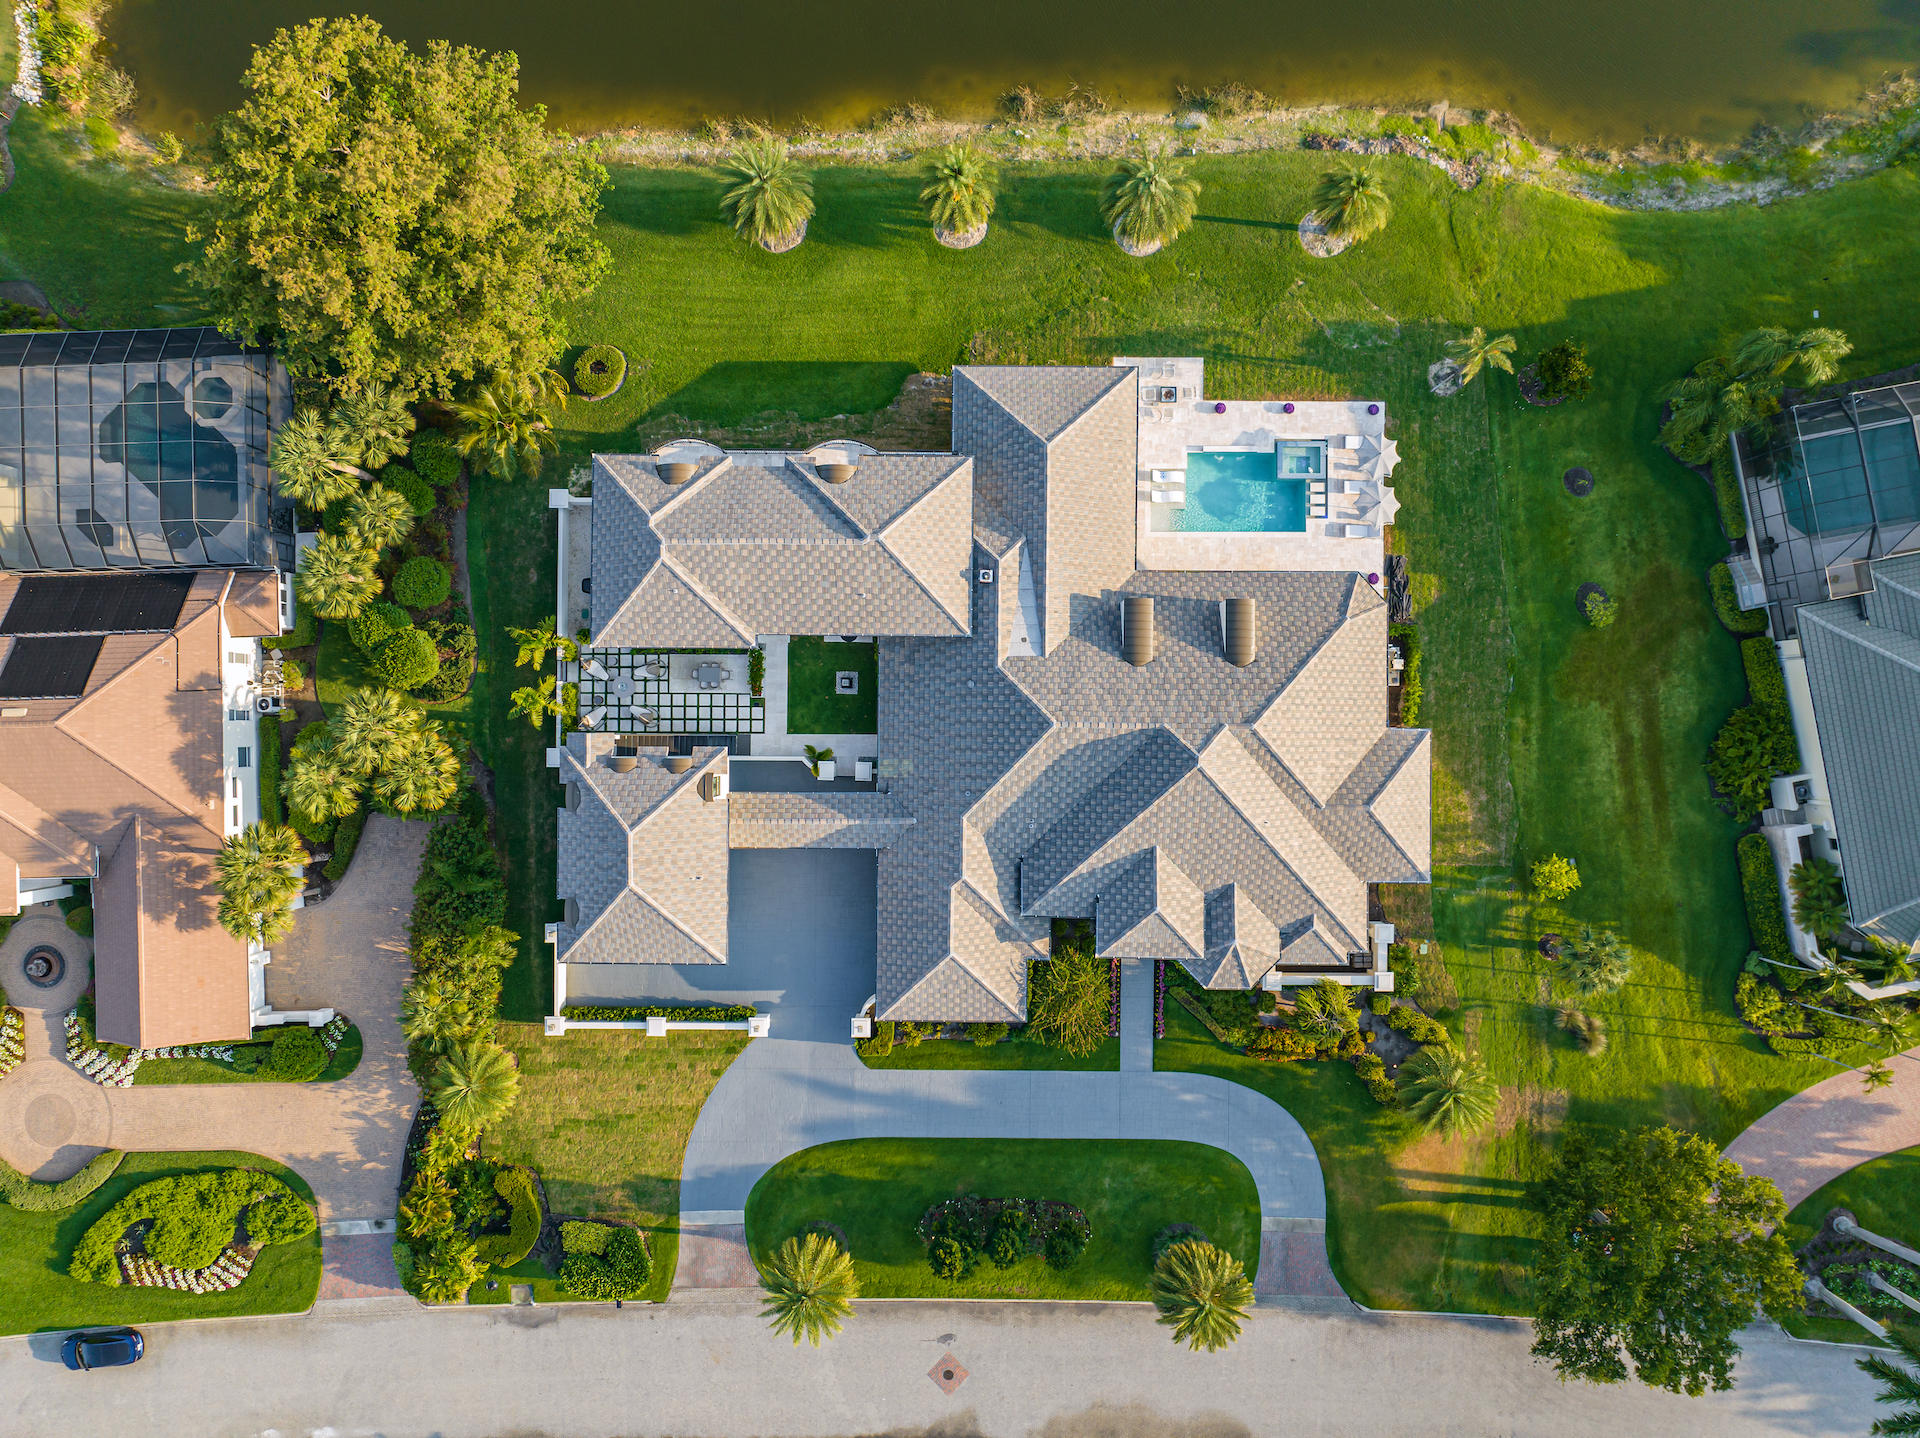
(318,787)
(260,873)
(474,1086)
(376,422)
(1474,350)
(1817,351)
(1351,203)
(771,198)
(1598,964)
(1450,1092)
(1897,1384)
(315,460)
(1202,1293)
(336,578)
(1149,201)
(507,426)
(810,1287)
(378,516)
(959,194)
(538,701)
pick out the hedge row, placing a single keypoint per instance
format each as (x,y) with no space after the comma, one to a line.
(517,1187)
(684,1013)
(1766,681)
(31,1196)
(1726,603)
(1408,638)
(1766,918)
(1726,493)
(346,838)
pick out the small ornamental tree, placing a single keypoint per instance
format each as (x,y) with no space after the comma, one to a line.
(1600,609)
(810,1288)
(1655,1252)
(959,192)
(1202,1293)
(1598,963)
(1450,1092)
(1554,877)
(259,875)
(534,644)
(1563,371)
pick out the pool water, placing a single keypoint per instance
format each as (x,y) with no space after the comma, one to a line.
(1241,492)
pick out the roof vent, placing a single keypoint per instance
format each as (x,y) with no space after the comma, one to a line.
(573,796)
(837,473)
(1136,631)
(622,763)
(678,472)
(679,763)
(1237,631)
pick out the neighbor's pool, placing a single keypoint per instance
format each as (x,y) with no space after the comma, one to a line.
(1243,492)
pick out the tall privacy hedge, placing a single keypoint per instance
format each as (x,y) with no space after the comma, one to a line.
(1766,918)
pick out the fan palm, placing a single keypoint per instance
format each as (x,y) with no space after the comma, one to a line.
(1202,1293)
(1820,916)
(771,199)
(538,701)
(259,871)
(959,194)
(376,422)
(336,578)
(1148,201)
(1351,202)
(810,1287)
(315,460)
(421,779)
(318,786)
(474,1086)
(436,1011)
(373,727)
(1450,1092)
(1474,350)
(1598,964)
(1817,351)
(1814,879)
(378,516)
(1897,1384)
(507,426)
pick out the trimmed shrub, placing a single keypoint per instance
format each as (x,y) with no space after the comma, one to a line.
(191,1218)
(460,888)
(416,491)
(1012,1238)
(1065,1245)
(434,458)
(455,648)
(298,1054)
(1554,877)
(305,631)
(986,1035)
(599,370)
(881,1044)
(30,1196)
(1753,747)
(621,1271)
(81,922)
(1726,494)
(279,1217)
(1383,1091)
(1370,1066)
(515,1184)
(1380,1003)
(947,1258)
(313,833)
(267,738)
(422,582)
(346,837)
(686,1013)
(375,625)
(1408,638)
(1766,681)
(1600,610)
(1766,912)
(1762,1007)
(1726,604)
(1281,1045)
(406,661)
(1563,370)
(1417,1026)
(585,1238)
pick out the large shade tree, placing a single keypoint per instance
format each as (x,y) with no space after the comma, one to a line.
(1655,1251)
(382,214)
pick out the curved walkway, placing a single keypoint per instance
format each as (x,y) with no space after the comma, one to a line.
(1823,1131)
(789,1093)
(346,1138)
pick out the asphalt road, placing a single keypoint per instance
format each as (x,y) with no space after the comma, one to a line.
(1065,1371)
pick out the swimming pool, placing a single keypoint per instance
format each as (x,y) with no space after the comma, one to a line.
(1243,492)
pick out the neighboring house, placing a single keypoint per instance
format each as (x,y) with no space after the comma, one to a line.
(1196,759)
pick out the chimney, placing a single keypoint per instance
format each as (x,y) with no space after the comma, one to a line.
(1238,632)
(1136,631)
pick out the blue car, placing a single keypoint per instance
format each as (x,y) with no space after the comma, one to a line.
(103,1348)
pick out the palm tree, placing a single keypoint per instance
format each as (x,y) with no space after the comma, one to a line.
(428,1206)
(1475,350)
(336,578)
(1202,1293)
(772,198)
(435,1011)
(318,787)
(260,873)
(534,643)
(421,778)
(378,516)
(1821,917)
(1818,352)
(810,1287)
(1351,203)
(1875,1076)
(442,1150)
(1814,879)
(1148,201)
(1588,1030)
(1598,964)
(1450,1092)
(474,1086)
(1326,1009)
(315,460)
(508,425)
(538,701)
(959,193)
(816,757)
(376,422)
(1898,1385)
(372,727)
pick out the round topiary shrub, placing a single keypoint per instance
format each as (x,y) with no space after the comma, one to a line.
(415,490)
(434,458)
(422,582)
(298,1054)
(406,661)
(375,625)
(81,922)
(599,370)
(947,1258)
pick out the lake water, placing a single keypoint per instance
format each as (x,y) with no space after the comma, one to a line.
(1581,69)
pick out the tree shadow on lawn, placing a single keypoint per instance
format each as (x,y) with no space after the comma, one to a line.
(867,209)
(1066,205)
(1246,223)
(730,392)
(661,202)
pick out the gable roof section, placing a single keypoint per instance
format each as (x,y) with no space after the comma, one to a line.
(668,610)
(1142,767)
(1046,400)
(1242,942)
(983,976)
(830,819)
(1331,712)
(921,538)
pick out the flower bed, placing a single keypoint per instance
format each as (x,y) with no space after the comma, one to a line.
(12,1049)
(230,1270)
(1159,998)
(98,1065)
(333,1032)
(681,1013)
(1113,997)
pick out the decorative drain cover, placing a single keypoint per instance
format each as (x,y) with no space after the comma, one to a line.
(45,966)
(846,681)
(948,1373)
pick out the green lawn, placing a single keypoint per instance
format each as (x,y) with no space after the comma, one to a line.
(340,669)
(812,705)
(340,1063)
(876,1190)
(1015,1053)
(35,1247)
(1883,1194)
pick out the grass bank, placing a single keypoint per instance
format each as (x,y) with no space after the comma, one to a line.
(876,1190)
(341,1063)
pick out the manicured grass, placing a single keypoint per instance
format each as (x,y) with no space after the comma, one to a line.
(1883,1194)
(1017,1053)
(812,705)
(876,1190)
(35,1247)
(605,1117)
(340,1063)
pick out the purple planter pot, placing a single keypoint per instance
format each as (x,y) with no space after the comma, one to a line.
(1220,408)
(1287,408)
(1373,409)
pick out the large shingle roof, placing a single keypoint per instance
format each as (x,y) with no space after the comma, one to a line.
(826,820)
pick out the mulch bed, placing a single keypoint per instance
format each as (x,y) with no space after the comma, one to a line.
(1550,945)
(1530,387)
(1579,482)
(1580,597)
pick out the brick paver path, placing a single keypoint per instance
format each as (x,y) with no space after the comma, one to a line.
(345,1138)
(1823,1131)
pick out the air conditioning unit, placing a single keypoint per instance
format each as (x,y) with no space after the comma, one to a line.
(986,576)
(267,704)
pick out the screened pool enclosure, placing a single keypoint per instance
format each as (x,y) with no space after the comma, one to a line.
(137,449)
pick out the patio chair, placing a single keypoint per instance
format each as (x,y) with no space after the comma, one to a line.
(591,719)
(1361,531)
(1356,486)
(1175,497)
(592,666)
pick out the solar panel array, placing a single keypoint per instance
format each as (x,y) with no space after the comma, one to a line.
(50,667)
(97,603)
